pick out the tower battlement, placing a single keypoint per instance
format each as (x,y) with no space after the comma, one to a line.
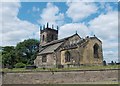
(48,34)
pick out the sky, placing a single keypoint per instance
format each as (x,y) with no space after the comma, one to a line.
(21,20)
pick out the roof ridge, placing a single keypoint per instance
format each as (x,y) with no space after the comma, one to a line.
(60,40)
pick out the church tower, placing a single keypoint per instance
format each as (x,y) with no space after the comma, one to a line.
(48,34)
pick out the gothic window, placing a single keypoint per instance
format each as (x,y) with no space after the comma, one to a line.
(43,37)
(44,58)
(67,56)
(96,48)
(52,37)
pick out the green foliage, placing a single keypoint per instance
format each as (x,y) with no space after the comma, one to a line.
(24,52)
(20,65)
(8,56)
(0,57)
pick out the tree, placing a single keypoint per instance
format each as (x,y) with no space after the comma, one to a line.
(26,51)
(0,59)
(8,56)
(112,63)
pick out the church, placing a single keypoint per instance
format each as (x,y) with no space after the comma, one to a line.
(71,51)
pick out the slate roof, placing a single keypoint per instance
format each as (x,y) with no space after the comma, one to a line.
(51,48)
(53,45)
(58,41)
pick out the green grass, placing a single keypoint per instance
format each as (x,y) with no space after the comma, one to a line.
(63,69)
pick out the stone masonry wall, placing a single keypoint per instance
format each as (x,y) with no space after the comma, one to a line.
(73,77)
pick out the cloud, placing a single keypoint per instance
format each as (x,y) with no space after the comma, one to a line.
(105,26)
(14,30)
(35,9)
(80,10)
(108,6)
(71,28)
(51,14)
(111,55)
(105,6)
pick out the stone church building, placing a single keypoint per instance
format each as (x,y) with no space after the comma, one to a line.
(68,52)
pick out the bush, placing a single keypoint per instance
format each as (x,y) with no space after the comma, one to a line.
(20,65)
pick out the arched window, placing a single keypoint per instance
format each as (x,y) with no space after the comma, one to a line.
(67,56)
(96,52)
(52,37)
(43,37)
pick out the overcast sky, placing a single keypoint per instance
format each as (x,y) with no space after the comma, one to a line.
(21,20)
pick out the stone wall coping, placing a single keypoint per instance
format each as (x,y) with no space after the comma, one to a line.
(34,71)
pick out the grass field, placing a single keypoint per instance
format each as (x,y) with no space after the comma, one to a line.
(63,69)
